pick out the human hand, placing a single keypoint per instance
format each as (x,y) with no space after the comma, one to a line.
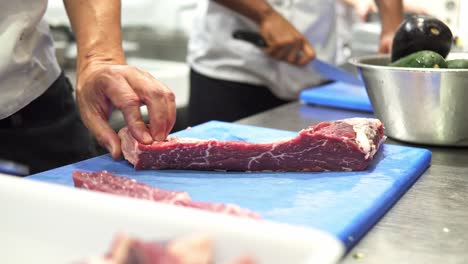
(364,8)
(386,40)
(284,41)
(102,86)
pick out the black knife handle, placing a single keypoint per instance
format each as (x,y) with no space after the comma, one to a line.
(250,36)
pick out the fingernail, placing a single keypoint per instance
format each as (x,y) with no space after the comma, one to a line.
(109,148)
(159,137)
(147,137)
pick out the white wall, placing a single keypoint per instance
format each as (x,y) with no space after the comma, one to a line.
(165,15)
(445,10)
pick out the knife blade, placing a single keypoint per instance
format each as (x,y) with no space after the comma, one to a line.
(323,68)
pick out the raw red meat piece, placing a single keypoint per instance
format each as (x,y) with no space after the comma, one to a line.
(103,181)
(187,250)
(128,250)
(343,145)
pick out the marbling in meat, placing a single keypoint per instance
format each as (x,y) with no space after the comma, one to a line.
(342,145)
(106,182)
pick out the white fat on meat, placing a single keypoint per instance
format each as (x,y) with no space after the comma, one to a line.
(365,129)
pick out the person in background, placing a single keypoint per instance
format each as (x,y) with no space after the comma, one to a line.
(360,15)
(364,8)
(39,123)
(231,79)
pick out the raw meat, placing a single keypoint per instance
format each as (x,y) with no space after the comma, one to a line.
(188,250)
(103,181)
(343,145)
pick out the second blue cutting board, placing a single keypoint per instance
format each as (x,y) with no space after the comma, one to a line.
(339,95)
(345,204)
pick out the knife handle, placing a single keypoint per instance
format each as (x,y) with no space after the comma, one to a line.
(250,36)
(13,168)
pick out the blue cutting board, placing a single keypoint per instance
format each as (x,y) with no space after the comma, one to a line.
(345,204)
(340,95)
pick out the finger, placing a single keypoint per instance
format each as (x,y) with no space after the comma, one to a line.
(106,137)
(166,102)
(95,119)
(272,50)
(385,46)
(274,45)
(160,102)
(282,53)
(158,112)
(381,50)
(122,96)
(307,55)
(172,110)
(136,125)
(296,52)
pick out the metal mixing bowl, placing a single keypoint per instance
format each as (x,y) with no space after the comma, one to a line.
(423,106)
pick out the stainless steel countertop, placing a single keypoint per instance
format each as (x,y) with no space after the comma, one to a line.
(429,224)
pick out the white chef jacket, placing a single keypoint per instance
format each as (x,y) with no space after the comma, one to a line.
(213,52)
(27,60)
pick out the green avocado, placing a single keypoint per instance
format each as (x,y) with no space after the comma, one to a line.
(421,59)
(457,64)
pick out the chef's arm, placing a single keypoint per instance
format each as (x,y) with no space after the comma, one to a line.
(105,82)
(96,25)
(391,15)
(284,41)
(256,10)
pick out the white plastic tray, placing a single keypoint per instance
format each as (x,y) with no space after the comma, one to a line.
(46,223)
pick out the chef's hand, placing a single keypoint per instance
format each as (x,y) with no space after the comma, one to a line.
(284,41)
(386,40)
(363,8)
(391,15)
(102,86)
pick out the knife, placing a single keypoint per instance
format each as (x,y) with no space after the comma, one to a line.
(325,69)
